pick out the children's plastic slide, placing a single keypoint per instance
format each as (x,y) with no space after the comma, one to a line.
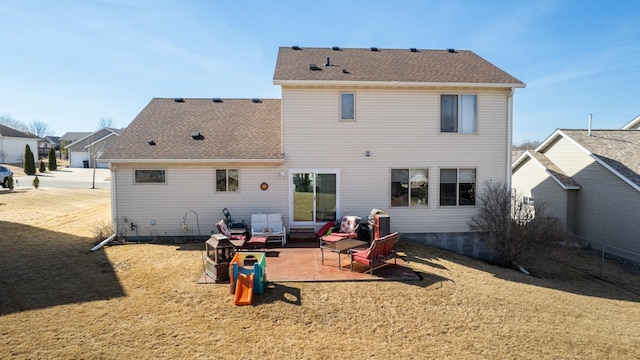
(244,289)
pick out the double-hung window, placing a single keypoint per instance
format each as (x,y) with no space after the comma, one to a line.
(226,180)
(149,176)
(457,187)
(459,113)
(347,107)
(409,187)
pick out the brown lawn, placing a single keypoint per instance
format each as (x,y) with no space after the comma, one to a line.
(58,300)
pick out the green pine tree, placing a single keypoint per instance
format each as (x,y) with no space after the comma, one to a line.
(53,166)
(36,182)
(43,166)
(29,163)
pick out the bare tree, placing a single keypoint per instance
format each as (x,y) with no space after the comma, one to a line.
(513,227)
(40,128)
(95,148)
(9,121)
(106,123)
(526,145)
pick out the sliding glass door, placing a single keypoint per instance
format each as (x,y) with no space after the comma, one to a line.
(314,196)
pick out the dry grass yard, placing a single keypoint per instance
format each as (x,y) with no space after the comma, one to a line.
(58,300)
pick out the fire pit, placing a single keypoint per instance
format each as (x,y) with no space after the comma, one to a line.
(220,251)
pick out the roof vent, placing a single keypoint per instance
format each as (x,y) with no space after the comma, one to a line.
(413,50)
(373,48)
(197,136)
(295,47)
(314,67)
(178,100)
(328,63)
(152,143)
(345,71)
(217,100)
(451,50)
(336,48)
(256,100)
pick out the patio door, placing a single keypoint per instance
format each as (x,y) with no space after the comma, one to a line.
(314,196)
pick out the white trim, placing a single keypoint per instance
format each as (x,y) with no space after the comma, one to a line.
(332,83)
(99,140)
(528,155)
(632,123)
(509,168)
(192,161)
(335,171)
(93,133)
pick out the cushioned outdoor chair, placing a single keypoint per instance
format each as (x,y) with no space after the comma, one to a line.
(347,228)
(378,253)
(253,242)
(269,226)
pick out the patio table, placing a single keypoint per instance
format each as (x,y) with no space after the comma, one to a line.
(340,246)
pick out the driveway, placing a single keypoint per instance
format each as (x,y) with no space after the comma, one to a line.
(79,178)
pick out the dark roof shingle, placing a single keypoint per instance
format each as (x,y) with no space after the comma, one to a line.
(6,131)
(619,149)
(389,65)
(234,129)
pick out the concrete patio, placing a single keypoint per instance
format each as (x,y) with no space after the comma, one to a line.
(304,264)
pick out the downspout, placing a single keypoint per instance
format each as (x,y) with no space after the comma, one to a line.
(509,134)
(114,203)
(281,121)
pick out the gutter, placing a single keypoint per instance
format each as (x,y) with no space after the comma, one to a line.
(332,83)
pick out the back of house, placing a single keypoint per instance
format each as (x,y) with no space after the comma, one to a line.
(415,132)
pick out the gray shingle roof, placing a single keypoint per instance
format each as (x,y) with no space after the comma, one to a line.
(389,65)
(554,170)
(234,129)
(619,149)
(10,132)
(73,136)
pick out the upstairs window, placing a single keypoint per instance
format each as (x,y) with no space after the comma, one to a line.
(347,107)
(226,180)
(457,187)
(458,113)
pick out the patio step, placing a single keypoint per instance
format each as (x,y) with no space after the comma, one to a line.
(302,235)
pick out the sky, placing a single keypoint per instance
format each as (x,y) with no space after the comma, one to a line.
(71,63)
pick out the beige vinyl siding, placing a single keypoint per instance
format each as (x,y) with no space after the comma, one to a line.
(608,208)
(401,129)
(531,179)
(193,188)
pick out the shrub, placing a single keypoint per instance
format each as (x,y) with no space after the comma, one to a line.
(43,167)
(10,184)
(514,229)
(103,231)
(36,183)
(29,163)
(53,165)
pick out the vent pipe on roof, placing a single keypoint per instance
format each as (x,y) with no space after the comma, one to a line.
(328,63)
(451,50)
(589,132)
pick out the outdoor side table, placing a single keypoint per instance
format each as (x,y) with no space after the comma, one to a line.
(341,246)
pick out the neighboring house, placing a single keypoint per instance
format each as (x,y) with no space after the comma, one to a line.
(633,124)
(415,132)
(46,144)
(69,138)
(590,180)
(81,149)
(13,143)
